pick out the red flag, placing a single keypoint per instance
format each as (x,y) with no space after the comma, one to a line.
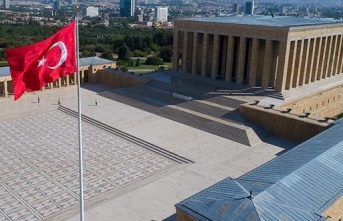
(35,65)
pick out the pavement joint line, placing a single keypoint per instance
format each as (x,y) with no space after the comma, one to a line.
(19,198)
(45,174)
(39,194)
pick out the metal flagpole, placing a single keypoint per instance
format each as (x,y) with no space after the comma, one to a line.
(79,113)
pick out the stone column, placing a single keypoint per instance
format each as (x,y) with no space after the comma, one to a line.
(59,82)
(340,56)
(322,59)
(280,83)
(338,51)
(67,80)
(204,55)
(317,59)
(51,85)
(75,78)
(291,65)
(185,51)
(312,51)
(266,63)
(215,56)
(328,57)
(175,51)
(333,56)
(241,59)
(229,59)
(5,88)
(274,63)
(340,70)
(82,76)
(253,62)
(304,63)
(194,53)
(298,63)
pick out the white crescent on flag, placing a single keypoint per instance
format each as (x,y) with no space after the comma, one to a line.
(64,54)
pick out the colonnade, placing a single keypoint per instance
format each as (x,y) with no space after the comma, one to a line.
(71,79)
(282,63)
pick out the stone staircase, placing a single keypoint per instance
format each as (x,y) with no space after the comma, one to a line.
(217,115)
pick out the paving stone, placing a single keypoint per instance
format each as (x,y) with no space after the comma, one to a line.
(39,164)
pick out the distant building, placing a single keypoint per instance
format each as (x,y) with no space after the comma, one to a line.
(151,2)
(235,8)
(6,4)
(91,11)
(138,15)
(249,8)
(161,13)
(57,5)
(127,8)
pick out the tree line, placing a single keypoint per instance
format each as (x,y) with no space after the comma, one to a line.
(124,41)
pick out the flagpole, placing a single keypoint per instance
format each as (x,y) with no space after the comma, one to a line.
(79,114)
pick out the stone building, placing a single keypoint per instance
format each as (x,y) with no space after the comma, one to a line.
(278,52)
(88,69)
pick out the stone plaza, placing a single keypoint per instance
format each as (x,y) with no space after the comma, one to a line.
(124,179)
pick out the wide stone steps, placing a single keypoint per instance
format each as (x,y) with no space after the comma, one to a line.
(191,113)
(140,142)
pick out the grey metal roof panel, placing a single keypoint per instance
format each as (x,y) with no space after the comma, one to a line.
(93,61)
(224,210)
(299,185)
(5,71)
(225,200)
(285,164)
(278,21)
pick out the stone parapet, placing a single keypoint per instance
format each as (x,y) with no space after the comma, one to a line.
(293,127)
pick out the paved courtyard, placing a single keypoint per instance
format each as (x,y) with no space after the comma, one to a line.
(39,164)
(123,181)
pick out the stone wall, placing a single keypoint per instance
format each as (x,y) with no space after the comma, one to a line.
(289,126)
(328,103)
(335,211)
(116,78)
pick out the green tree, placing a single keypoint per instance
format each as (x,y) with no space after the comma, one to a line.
(154,60)
(2,55)
(107,55)
(123,53)
(130,42)
(166,53)
(138,63)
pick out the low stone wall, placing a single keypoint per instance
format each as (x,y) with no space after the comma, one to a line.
(327,103)
(117,78)
(335,211)
(289,126)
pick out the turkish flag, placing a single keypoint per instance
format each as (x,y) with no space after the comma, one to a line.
(35,65)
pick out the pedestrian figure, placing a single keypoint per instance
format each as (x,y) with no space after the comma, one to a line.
(96,102)
(59,101)
(38,100)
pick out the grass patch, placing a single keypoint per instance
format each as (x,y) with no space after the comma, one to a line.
(168,65)
(3,63)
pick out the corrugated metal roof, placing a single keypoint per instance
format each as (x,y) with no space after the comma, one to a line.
(94,61)
(298,185)
(5,71)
